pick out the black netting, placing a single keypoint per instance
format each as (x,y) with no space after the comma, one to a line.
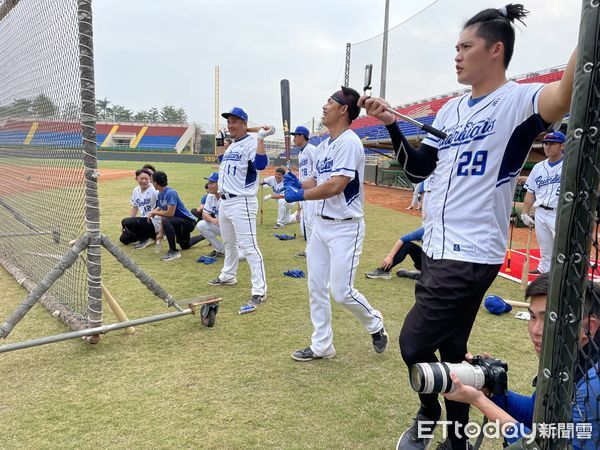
(42,176)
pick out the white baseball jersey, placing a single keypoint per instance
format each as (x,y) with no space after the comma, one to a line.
(345,155)
(211,206)
(278,188)
(488,141)
(145,202)
(237,174)
(306,162)
(544,182)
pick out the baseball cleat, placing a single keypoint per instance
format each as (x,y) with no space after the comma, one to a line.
(411,439)
(171,255)
(300,255)
(278,226)
(380,340)
(257,300)
(216,254)
(379,273)
(218,282)
(306,354)
(143,244)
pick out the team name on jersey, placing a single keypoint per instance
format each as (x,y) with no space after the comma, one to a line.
(471,131)
(232,156)
(545,181)
(324,165)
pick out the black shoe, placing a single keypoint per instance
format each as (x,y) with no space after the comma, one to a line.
(535,272)
(379,273)
(417,437)
(380,340)
(257,300)
(216,254)
(410,274)
(306,354)
(171,255)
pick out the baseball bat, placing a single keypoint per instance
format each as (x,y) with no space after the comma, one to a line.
(525,274)
(286,118)
(427,128)
(517,304)
(512,226)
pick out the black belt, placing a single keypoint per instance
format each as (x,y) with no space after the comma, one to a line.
(331,218)
(226,196)
(547,208)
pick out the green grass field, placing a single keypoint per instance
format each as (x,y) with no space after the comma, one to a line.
(177,384)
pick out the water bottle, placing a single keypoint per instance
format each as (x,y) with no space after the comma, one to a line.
(158,246)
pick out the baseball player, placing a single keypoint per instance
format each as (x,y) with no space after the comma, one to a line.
(336,241)
(490,131)
(143,200)
(209,225)
(543,187)
(238,186)
(306,167)
(403,247)
(284,209)
(176,222)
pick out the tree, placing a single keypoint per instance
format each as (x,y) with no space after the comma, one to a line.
(71,111)
(170,114)
(141,116)
(153,115)
(102,109)
(21,107)
(121,113)
(43,107)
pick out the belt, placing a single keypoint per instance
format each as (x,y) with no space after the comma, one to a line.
(226,196)
(547,208)
(336,220)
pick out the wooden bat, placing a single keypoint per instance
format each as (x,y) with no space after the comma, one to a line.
(525,273)
(285,116)
(509,257)
(517,304)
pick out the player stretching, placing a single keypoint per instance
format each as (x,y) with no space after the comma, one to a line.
(238,185)
(490,132)
(306,165)
(336,241)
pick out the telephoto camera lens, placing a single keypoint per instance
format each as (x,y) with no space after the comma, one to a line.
(434,378)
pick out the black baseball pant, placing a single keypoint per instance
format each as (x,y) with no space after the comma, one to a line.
(136,229)
(177,230)
(410,249)
(447,298)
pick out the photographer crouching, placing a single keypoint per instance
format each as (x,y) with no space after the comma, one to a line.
(514,412)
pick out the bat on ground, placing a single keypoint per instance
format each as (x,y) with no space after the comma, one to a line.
(525,274)
(427,128)
(285,116)
(512,226)
(517,304)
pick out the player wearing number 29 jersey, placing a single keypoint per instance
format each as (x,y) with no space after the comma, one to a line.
(475,176)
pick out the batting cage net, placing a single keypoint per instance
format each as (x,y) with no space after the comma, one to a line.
(44,133)
(568,387)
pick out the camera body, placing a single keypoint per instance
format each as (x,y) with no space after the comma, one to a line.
(489,373)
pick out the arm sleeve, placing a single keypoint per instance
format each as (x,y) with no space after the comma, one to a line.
(220,158)
(261,161)
(517,405)
(416,235)
(417,163)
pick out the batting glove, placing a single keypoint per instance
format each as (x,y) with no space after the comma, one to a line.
(289,179)
(220,139)
(528,220)
(293,194)
(267,197)
(263,133)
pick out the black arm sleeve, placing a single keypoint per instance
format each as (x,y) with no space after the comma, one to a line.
(417,163)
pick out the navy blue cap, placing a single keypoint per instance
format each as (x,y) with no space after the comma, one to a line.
(302,131)
(555,136)
(213,178)
(496,305)
(237,112)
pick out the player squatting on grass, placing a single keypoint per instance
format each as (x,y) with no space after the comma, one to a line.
(489,134)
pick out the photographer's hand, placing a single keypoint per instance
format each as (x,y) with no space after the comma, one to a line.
(462,393)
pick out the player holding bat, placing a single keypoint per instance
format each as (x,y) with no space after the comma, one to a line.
(489,133)
(334,248)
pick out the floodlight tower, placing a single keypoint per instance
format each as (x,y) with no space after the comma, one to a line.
(217,106)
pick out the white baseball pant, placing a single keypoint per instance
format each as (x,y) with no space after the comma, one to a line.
(307,219)
(332,258)
(284,212)
(210,231)
(237,221)
(545,224)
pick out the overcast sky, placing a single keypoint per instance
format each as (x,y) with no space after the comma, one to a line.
(156,52)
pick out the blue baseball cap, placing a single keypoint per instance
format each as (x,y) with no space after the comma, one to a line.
(555,136)
(237,112)
(213,178)
(496,305)
(302,131)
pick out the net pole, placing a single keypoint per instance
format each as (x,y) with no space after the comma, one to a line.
(88,128)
